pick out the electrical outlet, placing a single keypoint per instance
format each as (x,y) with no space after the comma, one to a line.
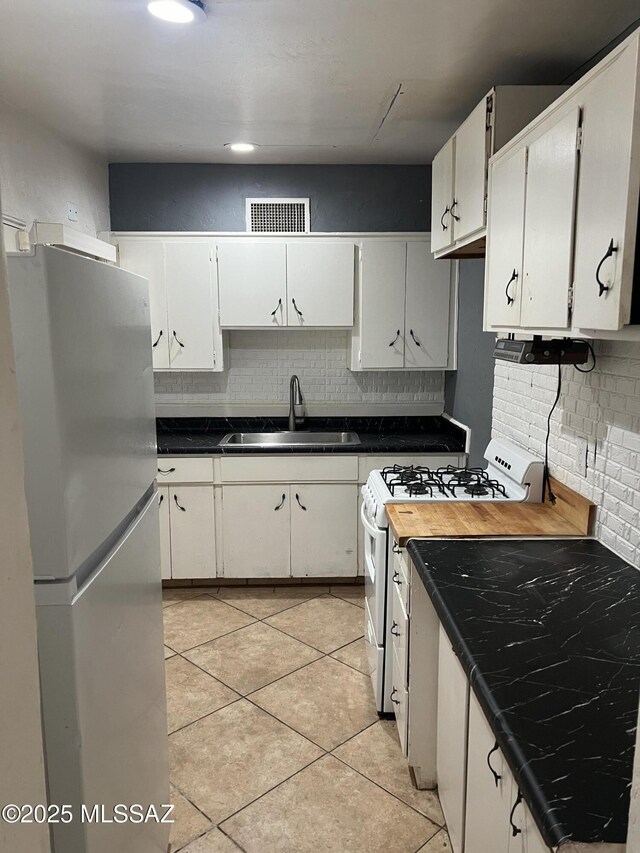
(582,455)
(72,211)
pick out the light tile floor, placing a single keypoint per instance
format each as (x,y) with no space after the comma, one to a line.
(274,741)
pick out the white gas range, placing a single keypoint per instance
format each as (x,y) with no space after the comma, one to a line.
(512,474)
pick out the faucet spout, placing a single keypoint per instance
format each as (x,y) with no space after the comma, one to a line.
(295,399)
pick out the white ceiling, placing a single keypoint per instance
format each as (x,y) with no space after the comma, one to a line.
(309,80)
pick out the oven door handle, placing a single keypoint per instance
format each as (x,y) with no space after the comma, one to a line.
(374,531)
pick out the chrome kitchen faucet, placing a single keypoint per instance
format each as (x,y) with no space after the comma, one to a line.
(295,399)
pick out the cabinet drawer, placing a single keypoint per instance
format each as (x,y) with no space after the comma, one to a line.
(400,578)
(399,633)
(289,469)
(400,700)
(180,469)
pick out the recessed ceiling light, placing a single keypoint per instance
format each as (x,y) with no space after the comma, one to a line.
(178,11)
(241,147)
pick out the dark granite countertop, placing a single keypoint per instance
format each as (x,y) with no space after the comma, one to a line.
(549,635)
(411,434)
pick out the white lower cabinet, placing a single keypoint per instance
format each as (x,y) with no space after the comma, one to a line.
(452,731)
(489,788)
(256,530)
(324,529)
(282,530)
(165,533)
(193,547)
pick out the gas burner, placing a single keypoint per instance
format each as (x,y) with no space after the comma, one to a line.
(476,490)
(421,488)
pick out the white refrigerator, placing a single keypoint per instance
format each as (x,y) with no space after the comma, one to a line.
(83,361)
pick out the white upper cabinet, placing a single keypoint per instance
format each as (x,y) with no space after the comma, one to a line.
(442,197)
(405,308)
(503,267)
(606,222)
(549,216)
(252,282)
(470,170)
(320,284)
(382,293)
(185,333)
(294,284)
(146,258)
(427,301)
(582,194)
(191,307)
(459,169)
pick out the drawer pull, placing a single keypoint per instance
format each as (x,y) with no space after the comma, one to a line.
(496,776)
(393,693)
(394,578)
(515,830)
(395,633)
(610,251)
(396,548)
(175,497)
(166,471)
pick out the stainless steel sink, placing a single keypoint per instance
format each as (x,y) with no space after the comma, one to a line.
(289,439)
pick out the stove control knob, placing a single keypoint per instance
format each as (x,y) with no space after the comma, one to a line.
(529,357)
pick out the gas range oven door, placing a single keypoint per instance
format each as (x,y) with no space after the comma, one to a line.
(375,573)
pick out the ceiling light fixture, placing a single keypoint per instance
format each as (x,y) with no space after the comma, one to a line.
(178,11)
(241,147)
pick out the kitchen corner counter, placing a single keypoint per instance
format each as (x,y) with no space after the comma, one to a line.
(548,633)
(571,515)
(378,435)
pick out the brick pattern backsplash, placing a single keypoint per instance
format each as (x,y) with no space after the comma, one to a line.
(602,407)
(261,364)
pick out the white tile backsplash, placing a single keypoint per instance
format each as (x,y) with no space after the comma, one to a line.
(261,364)
(602,407)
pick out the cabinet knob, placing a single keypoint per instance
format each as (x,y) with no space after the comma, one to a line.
(611,250)
(514,277)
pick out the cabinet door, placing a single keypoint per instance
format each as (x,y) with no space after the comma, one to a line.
(324,530)
(188,268)
(252,281)
(427,306)
(549,220)
(529,839)
(488,796)
(146,258)
(193,547)
(320,284)
(382,284)
(608,195)
(442,198)
(505,240)
(255,531)
(165,532)
(453,707)
(470,173)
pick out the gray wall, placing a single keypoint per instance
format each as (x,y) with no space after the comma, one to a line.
(211,197)
(469,390)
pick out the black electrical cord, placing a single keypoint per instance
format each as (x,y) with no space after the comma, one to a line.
(593,358)
(546,481)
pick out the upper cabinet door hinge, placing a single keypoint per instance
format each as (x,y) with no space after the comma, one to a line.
(570,298)
(579,139)
(489,112)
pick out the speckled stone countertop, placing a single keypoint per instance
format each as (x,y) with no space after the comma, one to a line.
(429,434)
(548,632)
